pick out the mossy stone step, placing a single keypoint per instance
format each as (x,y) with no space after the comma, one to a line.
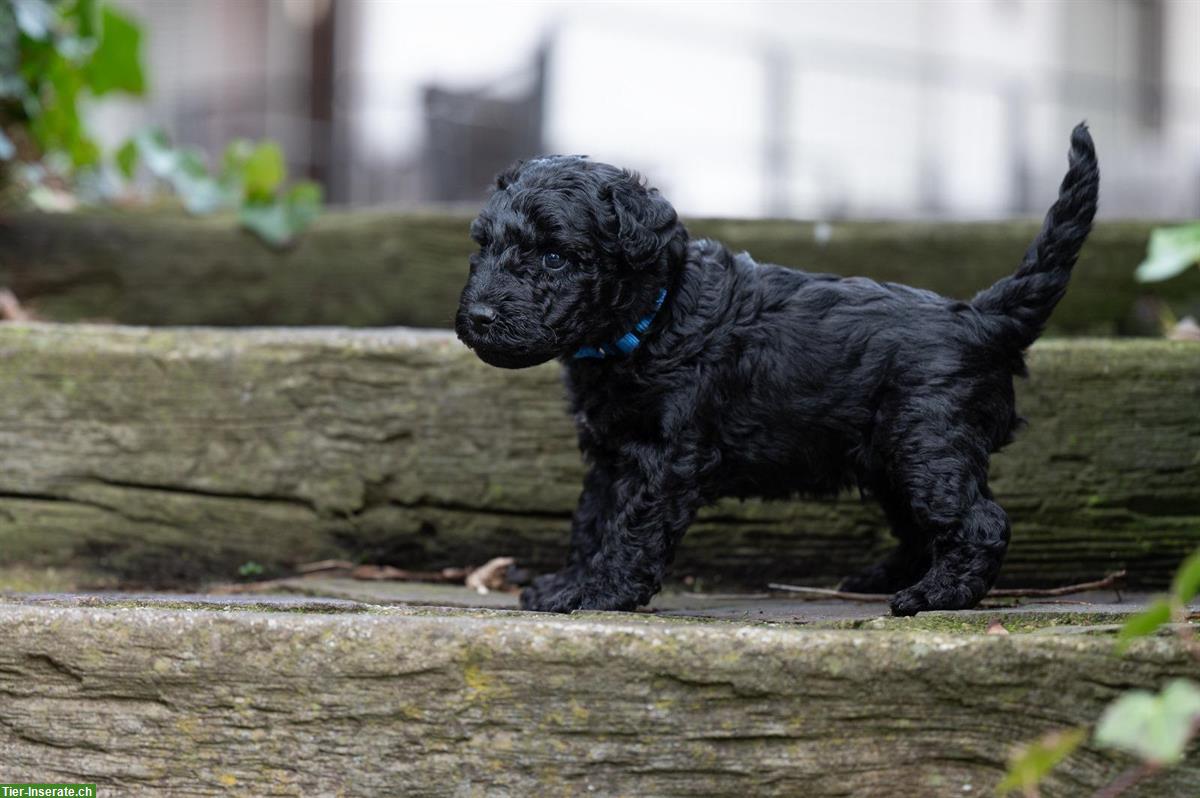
(169,457)
(376,268)
(201,696)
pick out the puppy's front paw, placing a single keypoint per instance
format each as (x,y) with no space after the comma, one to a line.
(567,592)
(551,593)
(924,597)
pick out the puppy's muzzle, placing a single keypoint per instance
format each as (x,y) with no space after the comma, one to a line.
(481,316)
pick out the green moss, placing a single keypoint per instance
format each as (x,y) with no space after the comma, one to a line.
(977,622)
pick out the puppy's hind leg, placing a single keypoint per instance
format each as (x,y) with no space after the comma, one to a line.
(903,565)
(943,474)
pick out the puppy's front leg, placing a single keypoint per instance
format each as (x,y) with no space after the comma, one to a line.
(645,512)
(593,506)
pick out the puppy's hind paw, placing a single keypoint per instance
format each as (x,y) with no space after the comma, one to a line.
(910,601)
(923,598)
(551,593)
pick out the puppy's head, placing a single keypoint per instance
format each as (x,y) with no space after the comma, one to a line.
(571,253)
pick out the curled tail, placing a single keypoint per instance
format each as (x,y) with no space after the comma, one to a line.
(1025,298)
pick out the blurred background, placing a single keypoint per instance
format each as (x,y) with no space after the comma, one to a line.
(938,109)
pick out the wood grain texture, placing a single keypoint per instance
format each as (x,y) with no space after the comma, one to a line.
(189,701)
(170,456)
(378,268)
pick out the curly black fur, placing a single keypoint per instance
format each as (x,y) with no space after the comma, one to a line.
(757,380)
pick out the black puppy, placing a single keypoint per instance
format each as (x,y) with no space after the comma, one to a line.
(696,373)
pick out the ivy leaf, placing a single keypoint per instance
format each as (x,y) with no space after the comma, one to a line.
(87,12)
(58,128)
(1172,250)
(262,172)
(35,18)
(279,221)
(233,162)
(1144,623)
(1155,728)
(268,221)
(1187,579)
(116,64)
(1033,762)
(156,151)
(250,568)
(199,192)
(126,158)
(7,150)
(303,204)
(184,169)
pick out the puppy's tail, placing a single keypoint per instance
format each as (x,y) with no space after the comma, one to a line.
(1024,299)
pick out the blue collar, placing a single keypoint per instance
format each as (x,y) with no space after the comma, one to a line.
(627,342)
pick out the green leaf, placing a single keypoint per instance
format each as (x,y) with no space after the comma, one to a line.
(1155,728)
(1033,762)
(268,221)
(35,18)
(7,150)
(87,15)
(1172,250)
(1144,623)
(184,169)
(250,568)
(126,158)
(279,221)
(116,65)
(198,191)
(157,153)
(233,162)
(58,127)
(263,171)
(303,204)
(1187,579)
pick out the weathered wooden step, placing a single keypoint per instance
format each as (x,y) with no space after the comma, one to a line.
(378,268)
(170,456)
(271,697)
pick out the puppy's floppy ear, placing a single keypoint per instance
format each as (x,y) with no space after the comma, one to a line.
(645,222)
(509,176)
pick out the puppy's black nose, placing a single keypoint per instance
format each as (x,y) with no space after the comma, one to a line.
(481,315)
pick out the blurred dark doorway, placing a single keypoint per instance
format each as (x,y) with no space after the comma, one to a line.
(471,135)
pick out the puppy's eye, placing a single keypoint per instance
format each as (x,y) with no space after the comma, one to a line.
(553,261)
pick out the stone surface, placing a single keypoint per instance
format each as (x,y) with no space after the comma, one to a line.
(379,268)
(202,695)
(169,457)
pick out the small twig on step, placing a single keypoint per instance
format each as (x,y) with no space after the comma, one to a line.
(392,574)
(324,565)
(1109,582)
(824,592)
